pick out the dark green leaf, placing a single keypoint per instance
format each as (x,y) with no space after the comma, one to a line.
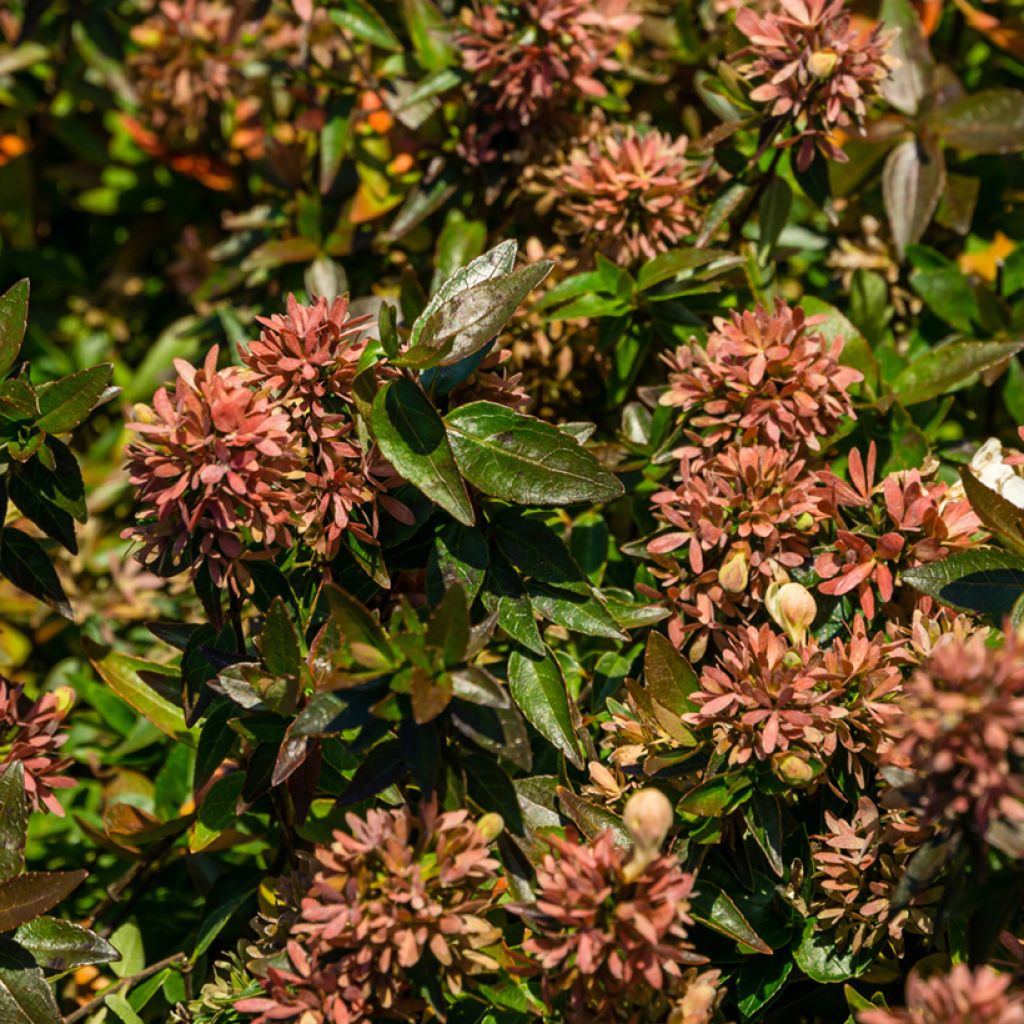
(24,562)
(460,555)
(65,403)
(822,961)
(13,820)
(670,264)
(387,331)
(773,213)
(227,898)
(53,521)
(448,629)
(989,121)
(581,613)
(58,945)
(949,367)
(538,689)
(412,438)
(279,642)
(986,580)
(26,997)
(13,320)
(711,906)
(359,18)
(518,458)
(591,818)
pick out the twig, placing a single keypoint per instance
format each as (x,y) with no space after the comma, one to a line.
(83,1011)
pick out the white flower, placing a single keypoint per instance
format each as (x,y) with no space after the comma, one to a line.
(989,467)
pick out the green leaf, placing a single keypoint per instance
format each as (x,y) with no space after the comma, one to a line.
(913,179)
(668,676)
(758,981)
(994,510)
(493,263)
(670,264)
(822,961)
(448,629)
(538,689)
(471,318)
(26,997)
(122,673)
(430,32)
(580,613)
(65,403)
(13,321)
(986,580)
(53,521)
(949,295)
(518,458)
(712,907)
(218,811)
(127,940)
(949,367)
(763,818)
(279,642)
(990,121)
(910,82)
(24,562)
(334,138)
(366,24)
(537,551)
(13,820)
(229,896)
(592,819)
(26,896)
(460,555)
(122,1009)
(357,625)
(412,438)
(773,213)
(58,945)
(386,329)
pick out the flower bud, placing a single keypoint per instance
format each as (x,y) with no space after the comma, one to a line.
(795,767)
(793,608)
(65,699)
(735,571)
(491,826)
(823,63)
(648,816)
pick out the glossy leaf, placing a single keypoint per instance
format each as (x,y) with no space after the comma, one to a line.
(123,674)
(990,121)
(994,510)
(518,458)
(949,367)
(13,320)
(412,438)
(14,809)
(65,403)
(986,580)
(538,689)
(912,183)
(470,319)
(279,642)
(33,893)
(668,676)
(715,908)
(26,997)
(24,562)
(58,945)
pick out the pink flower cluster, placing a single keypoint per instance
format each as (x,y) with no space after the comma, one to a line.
(235,463)
(613,942)
(813,68)
(397,890)
(628,195)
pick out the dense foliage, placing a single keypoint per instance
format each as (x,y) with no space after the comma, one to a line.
(513,511)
